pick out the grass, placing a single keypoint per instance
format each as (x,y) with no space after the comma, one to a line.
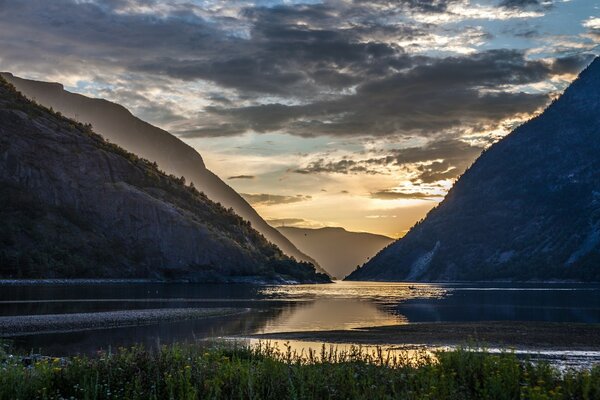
(264,372)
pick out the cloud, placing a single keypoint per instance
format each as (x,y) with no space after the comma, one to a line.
(279,222)
(344,166)
(433,95)
(593,25)
(395,195)
(571,64)
(264,199)
(526,4)
(335,68)
(241,177)
(439,160)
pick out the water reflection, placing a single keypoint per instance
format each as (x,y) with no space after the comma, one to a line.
(324,314)
(381,292)
(338,306)
(311,351)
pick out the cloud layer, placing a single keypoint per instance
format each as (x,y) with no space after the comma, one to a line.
(361,106)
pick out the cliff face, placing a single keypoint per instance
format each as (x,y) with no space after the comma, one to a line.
(173,156)
(74,205)
(529,207)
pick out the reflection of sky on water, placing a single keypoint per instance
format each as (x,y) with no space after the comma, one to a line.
(370,291)
(330,314)
(338,306)
(343,305)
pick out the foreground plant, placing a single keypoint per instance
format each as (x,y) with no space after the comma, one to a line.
(265,372)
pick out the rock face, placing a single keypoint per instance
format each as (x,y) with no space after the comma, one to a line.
(73,205)
(119,126)
(528,209)
(336,249)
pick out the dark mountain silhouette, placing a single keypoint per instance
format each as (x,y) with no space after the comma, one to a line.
(119,126)
(336,249)
(528,209)
(74,205)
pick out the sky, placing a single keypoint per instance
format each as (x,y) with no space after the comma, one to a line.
(351,113)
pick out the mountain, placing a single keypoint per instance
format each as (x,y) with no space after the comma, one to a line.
(173,156)
(527,209)
(336,249)
(74,205)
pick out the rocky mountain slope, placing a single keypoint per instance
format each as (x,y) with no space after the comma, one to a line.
(74,205)
(119,126)
(528,209)
(336,249)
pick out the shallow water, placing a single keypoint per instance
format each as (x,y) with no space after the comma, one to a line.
(342,305)
(386,354)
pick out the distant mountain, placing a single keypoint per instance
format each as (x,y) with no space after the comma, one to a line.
(528,209)
(73,205)
(173,156)
(336,249)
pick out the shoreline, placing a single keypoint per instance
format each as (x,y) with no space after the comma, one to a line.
(510,334)
(25,325)
(109,281)
(256,280)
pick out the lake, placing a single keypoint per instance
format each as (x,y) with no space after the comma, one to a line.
(341,306)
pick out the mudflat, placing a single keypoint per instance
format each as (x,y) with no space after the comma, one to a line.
(527,335)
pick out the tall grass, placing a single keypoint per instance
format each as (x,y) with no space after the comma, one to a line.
(265,372)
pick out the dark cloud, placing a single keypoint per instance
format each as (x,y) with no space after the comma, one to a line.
(571,64)
(426,6)
(344,166)
(441,160)
(290,49)
(241,177)
(264,199)
(394,195)
(527,33)
(434,95)
(304,69)
(526,3)
(73,32)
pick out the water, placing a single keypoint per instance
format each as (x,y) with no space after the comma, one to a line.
(301,308)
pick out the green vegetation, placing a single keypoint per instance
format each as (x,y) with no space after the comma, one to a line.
(38,240)
(263,372)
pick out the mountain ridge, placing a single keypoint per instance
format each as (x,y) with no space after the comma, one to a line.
(527,209)
(74,205)
(116,123)
(338,250)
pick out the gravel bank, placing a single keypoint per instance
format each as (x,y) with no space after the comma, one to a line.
(34,324)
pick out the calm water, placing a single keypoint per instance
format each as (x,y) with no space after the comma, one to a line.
(342,305)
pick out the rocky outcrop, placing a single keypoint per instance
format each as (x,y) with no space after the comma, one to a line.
(74,205)
(528,209)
